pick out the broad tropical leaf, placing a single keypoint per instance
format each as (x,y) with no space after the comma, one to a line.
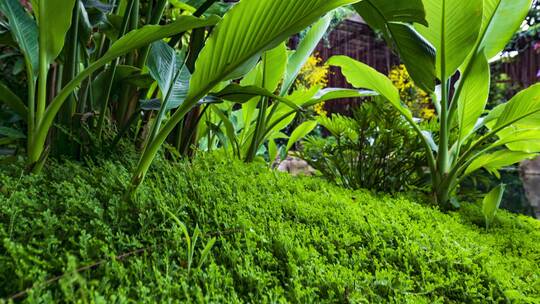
(473,98)
(522,140)
(300,132)
(241,94)
(497,160)
(54,22)
(246,31)
(453,30)
(272,151)
(337,93)
(391,18)
(519,110)
(167,67)
(502,18)
(408,11)
(417,54)
(303,51)
(360,75)
(491,204)
(24,30)
(269,72)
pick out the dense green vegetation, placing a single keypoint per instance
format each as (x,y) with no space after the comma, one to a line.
(67,235)
(137,137)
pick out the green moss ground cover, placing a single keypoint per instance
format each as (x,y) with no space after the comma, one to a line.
(67,236)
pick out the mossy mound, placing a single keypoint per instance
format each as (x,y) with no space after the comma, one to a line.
(67,236)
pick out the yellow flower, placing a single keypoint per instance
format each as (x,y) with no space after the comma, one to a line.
(312,74)
(319,109)
(415,98)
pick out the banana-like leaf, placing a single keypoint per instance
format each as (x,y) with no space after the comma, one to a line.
(13,101)
(502,18)
(274,64)
(407,11)
(269,72)
(521,111)
(453,30)
(392,19)
(163,64)
(54,22)
(337,93)
(131,41)
(246,31)
(360,75)
(491,203)
(242,94)
(522,140)
(300,132)
(303,51)
(417,54)
(24,30)
(497,160)
(474,94)
(272,151)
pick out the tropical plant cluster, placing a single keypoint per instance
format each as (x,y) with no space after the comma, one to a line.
(68,236)
(204,97)
(182,75)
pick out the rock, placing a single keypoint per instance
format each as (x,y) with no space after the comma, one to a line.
(530,174)
(295,166)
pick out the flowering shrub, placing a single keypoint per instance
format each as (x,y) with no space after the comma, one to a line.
(416,99)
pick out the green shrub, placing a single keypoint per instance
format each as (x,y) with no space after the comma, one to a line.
(374,149)
(279,239)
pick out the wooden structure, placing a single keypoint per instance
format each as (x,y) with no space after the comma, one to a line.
(355,39)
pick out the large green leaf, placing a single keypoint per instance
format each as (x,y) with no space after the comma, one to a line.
(54,22)
(13,101)
(497,160)
(522,140)
(300,132)
(150,33)
(390,17)
(337,93)
(362,76)
(269,72)
(417,54)
(303,51)
(246,31)
(491,204)
(502,18)
(519,110)
(131,41)
(167,67)
(408,11)
(24,31)
(474,94)
(242,94)
(453,30)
